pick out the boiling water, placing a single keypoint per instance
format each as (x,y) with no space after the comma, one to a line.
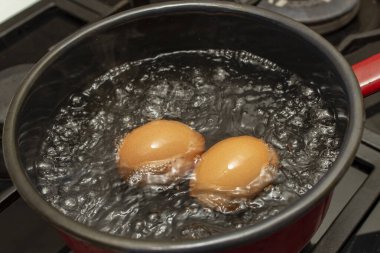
(220,93)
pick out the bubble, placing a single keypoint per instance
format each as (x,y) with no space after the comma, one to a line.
(45,190)
(139,225)
(153,217)
(70,203)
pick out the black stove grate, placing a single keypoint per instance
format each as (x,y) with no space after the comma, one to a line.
(352,222)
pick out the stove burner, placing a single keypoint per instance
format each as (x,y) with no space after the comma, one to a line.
(323,16)
(10,80)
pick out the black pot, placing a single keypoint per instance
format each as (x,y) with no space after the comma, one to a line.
(151,30)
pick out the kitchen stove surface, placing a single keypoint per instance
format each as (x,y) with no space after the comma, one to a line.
(352,222)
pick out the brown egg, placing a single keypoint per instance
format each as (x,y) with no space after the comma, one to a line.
(159,152)
(232,171)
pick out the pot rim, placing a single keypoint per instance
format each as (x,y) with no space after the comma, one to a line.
(249,234)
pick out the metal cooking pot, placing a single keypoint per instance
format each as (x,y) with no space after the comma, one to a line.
(155,29)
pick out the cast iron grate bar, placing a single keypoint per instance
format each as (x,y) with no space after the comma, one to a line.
(90,10)
(72,8)
(101,8)
(7,197)
(356,209)
(357,40)
(94,5)
(371,139)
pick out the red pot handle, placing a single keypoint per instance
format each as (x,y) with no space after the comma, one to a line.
(368,74)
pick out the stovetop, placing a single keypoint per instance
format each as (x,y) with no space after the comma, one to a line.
(352,223)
